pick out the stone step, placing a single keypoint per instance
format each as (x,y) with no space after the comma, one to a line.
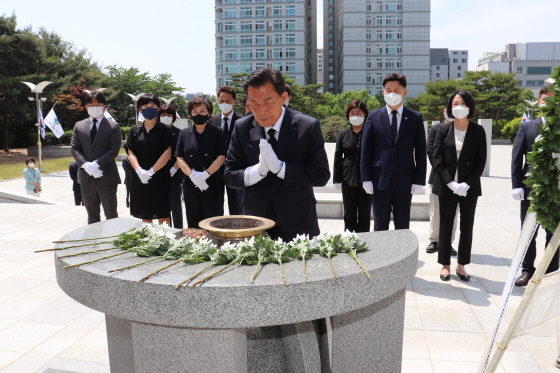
(329,206)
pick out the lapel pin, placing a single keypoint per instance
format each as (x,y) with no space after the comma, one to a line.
(406,118)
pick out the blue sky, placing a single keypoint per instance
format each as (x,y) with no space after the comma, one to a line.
(177,36)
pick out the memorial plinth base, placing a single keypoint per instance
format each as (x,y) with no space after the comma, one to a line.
(345,324)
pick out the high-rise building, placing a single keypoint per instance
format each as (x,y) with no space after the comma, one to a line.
(277,34)
(532,63)
(448,64)
(320,68)
(366,40)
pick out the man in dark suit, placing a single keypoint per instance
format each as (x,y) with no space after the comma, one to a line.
(278,156)
(226,121)
(393,160)
(95,145)
(434,199)
(522,144)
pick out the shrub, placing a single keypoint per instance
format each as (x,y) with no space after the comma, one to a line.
(125,131)
(509,131)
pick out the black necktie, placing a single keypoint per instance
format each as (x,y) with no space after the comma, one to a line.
(394,124)
(226,129)
(272,140)
(93,131)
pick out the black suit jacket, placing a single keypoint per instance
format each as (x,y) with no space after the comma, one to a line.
(430,149)
(346,167)
(216,121)
(471,162)
(388,163)
(301,147)
(522,145)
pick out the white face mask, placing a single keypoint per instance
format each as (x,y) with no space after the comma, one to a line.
(460,111)
(447,118)
(166,120)
(225,108)
(543,104)
(31,164)
(95,111)
(392,99)
(356,121)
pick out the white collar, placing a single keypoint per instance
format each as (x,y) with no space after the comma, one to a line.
(399,110)
(230,116)
(98,120)
(278,124)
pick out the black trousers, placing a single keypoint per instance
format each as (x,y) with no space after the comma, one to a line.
(387,201)
(201,205)
(357,208)
(176,192)
(447,210)
(234,204)
(529,259)
(94,196)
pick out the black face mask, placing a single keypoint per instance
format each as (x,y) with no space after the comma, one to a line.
(199,119)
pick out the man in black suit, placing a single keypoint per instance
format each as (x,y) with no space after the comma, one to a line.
(522,144)
(393,160)
(278,156)
(226,121)
(95,145)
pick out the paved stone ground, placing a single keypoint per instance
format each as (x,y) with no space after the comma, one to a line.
(446,324)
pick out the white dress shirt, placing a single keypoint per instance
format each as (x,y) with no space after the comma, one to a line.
(230,118)
(97,124)
(399,116)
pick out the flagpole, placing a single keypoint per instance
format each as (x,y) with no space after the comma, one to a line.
(39,107)
(527,296)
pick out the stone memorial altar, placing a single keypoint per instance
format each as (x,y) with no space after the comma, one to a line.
(345,324)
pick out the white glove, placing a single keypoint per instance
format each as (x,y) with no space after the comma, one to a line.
(151,171)
(337,186)
(518,194)
(143,175)
(90,167)
(203,185)
(97,173)
(453,186)
(199,179)
(172,171)
(462,189)
(263,167)
(368,187)
(416,189)
(270,157)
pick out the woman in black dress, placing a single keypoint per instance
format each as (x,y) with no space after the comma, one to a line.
(149,149)
(201,151)
(346,171)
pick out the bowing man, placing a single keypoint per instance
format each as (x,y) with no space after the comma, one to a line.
(278,156)
(393,162)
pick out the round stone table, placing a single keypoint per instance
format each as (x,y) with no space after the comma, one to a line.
(345,324)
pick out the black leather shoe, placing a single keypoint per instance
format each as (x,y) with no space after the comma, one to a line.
(523,280)
(558,363)
(443,277)
(432,247)
(465,278)
(453,251)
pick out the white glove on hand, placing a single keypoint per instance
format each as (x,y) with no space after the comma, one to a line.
(416,189)
(199,178)
(90,167)
(453,186)
(462,189)
(143,175)
(151,171)
(97,173)
(263,167)
(172,171)
(337,186)
(270,157)
(368,187)
(203,185)
(518,194)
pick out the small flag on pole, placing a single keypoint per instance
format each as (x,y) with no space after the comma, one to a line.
(41,123)
(524,118)
(53,123)
(108,115)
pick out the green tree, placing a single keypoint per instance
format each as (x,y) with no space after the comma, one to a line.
(432,101)
(332,126)
(509,131)
(336,104)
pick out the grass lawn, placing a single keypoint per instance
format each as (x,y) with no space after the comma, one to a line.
(15,170)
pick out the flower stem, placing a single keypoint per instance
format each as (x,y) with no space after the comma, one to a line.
(87,239)
(159,270)
(69,247)
(87,252)
(192,277)
(256,272)
(137,264)
(305,270)
(332,267)
(215,273)
(95,260)
(282,273)
(353,255)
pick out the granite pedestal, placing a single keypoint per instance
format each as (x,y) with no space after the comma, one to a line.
(345,324)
